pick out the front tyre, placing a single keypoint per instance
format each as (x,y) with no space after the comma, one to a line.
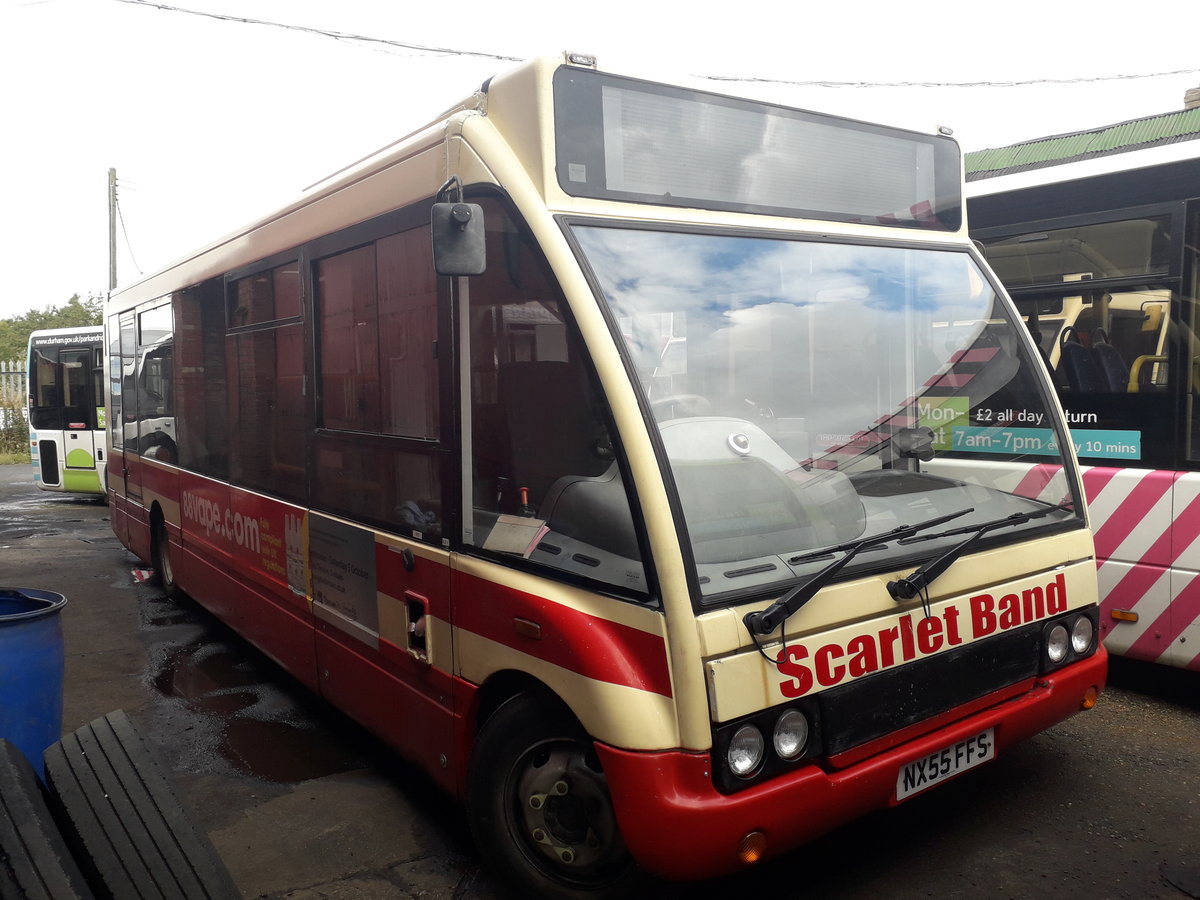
(539,806)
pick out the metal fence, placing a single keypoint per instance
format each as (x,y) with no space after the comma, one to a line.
(14,430)
(12,382)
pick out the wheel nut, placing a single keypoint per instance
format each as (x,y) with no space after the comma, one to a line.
(561,788)
(537,801)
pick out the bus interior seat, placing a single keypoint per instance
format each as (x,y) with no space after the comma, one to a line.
(1077,363)
(1035,331)
(551,427)
(1111,368)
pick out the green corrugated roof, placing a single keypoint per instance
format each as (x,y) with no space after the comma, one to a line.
(1136,134)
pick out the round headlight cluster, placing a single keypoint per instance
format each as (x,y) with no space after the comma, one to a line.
(748,748)
(1082,633)
(745,751)
(1069,638)
(1057,643)
(791,734)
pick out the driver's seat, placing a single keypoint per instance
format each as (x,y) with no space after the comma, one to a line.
(551,424)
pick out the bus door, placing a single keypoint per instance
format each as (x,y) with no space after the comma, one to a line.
(46,414)
(124,476)
(382,606)
(377,552)
(80,451)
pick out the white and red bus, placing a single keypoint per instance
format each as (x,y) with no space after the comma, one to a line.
(625,456)
(65,373)
(1102,257)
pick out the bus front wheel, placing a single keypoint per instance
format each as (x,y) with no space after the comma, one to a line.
(539,806)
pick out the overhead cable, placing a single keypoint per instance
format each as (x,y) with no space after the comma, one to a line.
(826,83)
(323,32)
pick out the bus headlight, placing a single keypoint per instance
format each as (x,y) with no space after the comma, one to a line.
(1082,633)
(745,752)
(791,734)
(1057,643)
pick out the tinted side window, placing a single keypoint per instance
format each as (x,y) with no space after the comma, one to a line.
(200,384)
(265,296)
(267,412)
(378,314)
(376,453)
(155,394)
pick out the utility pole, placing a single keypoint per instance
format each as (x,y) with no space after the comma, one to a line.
(112,229)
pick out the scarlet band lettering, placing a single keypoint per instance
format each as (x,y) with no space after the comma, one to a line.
(833,663)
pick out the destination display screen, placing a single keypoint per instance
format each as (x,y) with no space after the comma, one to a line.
(624,139)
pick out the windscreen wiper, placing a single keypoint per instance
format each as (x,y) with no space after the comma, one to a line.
(918,581)
(764,621)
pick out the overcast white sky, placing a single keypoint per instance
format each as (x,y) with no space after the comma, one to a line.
(211,123)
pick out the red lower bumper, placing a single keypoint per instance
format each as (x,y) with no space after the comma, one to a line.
(679,827)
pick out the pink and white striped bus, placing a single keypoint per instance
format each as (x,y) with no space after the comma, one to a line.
(1100,249)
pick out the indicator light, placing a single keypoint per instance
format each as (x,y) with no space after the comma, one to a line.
(752,848)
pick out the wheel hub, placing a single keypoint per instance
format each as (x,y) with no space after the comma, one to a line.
(565,809)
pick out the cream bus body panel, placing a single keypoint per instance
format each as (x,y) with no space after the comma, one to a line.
(412,173)
(691,703)
(528,128)
(841,604)
(745,683)
(621,715)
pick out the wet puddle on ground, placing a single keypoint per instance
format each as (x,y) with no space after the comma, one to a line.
(259,727)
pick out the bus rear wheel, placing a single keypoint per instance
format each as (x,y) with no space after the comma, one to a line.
(160,551)
(539,806)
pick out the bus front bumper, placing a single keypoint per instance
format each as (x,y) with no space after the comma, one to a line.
(678,826)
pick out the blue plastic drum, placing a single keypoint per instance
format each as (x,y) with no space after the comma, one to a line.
(31,670)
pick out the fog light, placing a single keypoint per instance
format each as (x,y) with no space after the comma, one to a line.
(791,734)
(752,847)
(1081,635)
(1090,696)
(1057,643)
(745,751)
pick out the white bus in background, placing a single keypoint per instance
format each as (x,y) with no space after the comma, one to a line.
(1101,255)
(66,409)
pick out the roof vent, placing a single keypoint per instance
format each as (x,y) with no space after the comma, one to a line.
(1191,98)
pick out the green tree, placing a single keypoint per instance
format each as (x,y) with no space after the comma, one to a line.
(14,332)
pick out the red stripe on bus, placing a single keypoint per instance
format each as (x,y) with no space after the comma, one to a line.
(1095,479)
(573,640)
(1193,663)
(1130,512)
(430,578)
(1181,612)
(1155,562)
(1129,591)
(1184,608)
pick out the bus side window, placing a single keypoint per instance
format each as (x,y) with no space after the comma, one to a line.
(541,448)
(377,455)
(200,390)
